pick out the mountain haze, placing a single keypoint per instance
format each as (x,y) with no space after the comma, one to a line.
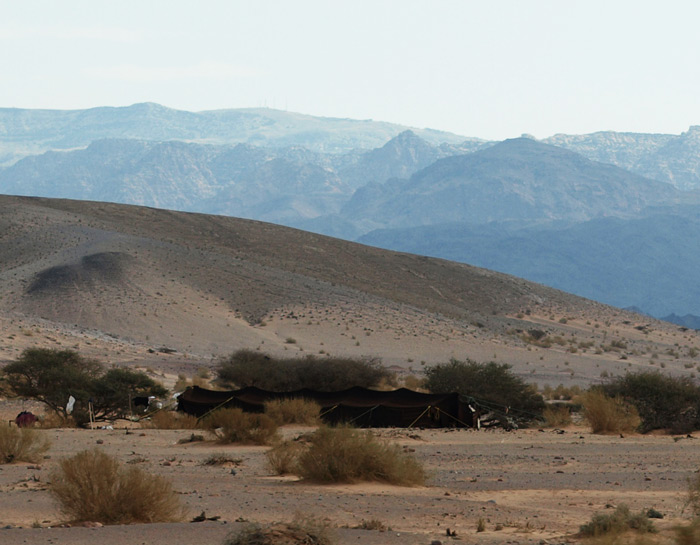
(30,132)
(669,158)
(518,180)
(599,215)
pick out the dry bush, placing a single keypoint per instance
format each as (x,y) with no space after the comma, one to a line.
(293,411)
(171,420)
(48,421)
(182,383)
(92,486)
(349,455)
(372,524)
(609,415)
(235,426)
(302,531)
(221,460)
(618,522)
(663,401)
(413,382)
(21,445)
(556,417)
(283,458)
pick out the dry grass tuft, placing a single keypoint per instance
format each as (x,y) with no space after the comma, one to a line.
(92,486)
(348,455)
(293,411)
(302,531)
(556,417)
(283,458)
(236,426)
(21,445)
(171,420)
(609,415)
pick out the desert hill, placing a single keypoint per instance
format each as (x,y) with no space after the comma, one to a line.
(123,281)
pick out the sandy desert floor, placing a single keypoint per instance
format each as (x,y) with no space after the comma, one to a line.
(530,487)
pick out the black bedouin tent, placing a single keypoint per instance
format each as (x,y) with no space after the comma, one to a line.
(359,406)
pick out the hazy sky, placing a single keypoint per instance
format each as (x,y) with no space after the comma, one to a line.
(487,68)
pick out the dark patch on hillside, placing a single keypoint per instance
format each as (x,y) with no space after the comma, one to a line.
(94,269)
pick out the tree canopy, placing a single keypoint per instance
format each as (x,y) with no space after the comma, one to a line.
(490,382)
(253,368)
(51,376)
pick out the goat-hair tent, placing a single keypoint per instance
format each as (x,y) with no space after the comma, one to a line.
(360,406)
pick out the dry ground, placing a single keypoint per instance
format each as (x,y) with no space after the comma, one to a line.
(527,485)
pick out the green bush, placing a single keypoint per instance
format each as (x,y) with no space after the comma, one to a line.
(348,455)
(252,368)
(662,401)
(52,376)
(21,445)
(621,520)
(92,486)
(609,415)
(491,382)
(235,426)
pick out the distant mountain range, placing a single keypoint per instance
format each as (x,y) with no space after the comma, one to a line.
(611,216)
(30,132)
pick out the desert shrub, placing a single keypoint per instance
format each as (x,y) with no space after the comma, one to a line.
(347,455)
(21,445)
(170,420)
(293,411)
(253,368)
(372,524)
(51,376)
(607,414)
(621,520)
(486,382)
(283,458)
(663,402)
(302,531)
(92,486)
(556,417)
(235,426)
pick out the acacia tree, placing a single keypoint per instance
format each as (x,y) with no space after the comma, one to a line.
(52,376)
(487,382)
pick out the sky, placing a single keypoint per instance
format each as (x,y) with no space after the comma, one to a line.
(489,68)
